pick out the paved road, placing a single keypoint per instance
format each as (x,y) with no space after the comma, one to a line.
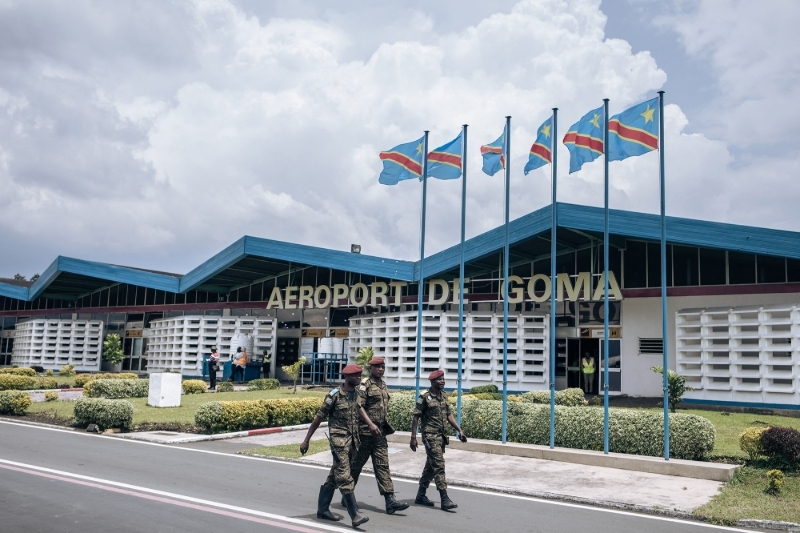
(54,480)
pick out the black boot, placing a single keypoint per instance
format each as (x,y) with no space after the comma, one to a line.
(344,503)
(421,499)
(393,505)
(352,510)
(323,504)
(447,503)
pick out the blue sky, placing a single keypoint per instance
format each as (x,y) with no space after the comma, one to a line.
(155,134)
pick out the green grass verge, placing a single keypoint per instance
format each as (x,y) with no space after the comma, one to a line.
(143,413)
(289,451)
(744,497)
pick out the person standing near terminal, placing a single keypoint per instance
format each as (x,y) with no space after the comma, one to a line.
(343,408)
(239,361)
(587,364)
(375,395)
(434,411)
(213,361)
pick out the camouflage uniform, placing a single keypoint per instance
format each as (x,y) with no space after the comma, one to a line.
(342,415)
(375,395)
(433,413)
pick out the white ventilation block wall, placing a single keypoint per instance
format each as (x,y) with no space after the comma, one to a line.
(54,343)
(394,337)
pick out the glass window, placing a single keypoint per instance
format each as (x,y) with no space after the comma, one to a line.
(191,297)
(654,265)
(685,266)
(542,266)
(340,318)
(741,268)
(771,269)
(635,264)
(793,269)
(95,299)
(584,260)
(315,318)
(104,298)
(712,267)
(140,294)
(159,297)
(169,298)
(112,295)
(149,296)
(565,263)
(180,299)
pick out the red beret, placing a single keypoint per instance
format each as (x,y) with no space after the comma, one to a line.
(376,361)
(352,369)
(436,374)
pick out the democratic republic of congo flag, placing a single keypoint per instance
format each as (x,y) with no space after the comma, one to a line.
(634,131)
(444,163)
(585,139)
(493,158)
(403,162)
(540,151)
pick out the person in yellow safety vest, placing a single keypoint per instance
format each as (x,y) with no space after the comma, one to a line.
(588,372)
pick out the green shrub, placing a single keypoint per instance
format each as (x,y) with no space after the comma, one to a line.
(18,382)
(224,386)
(235,416)
(18,371)
(117,388)
(48,383)
(194,386)
(774,482)
(483,388)
(49,373)
(51,396)
(14,402)
(750,442)
(676,386)
(82,379)
(112,349)
(569,397)
(630,431)
(264,384)
(781,442)
(67,371)
(105,413)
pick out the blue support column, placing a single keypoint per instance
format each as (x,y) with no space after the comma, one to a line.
(507,150)
(421,258)
(461,268)
(664,333)
(553,233)
(605,279)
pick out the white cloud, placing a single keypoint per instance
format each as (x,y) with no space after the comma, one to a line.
(272,128)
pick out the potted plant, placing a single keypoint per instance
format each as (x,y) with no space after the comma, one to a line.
(112,353)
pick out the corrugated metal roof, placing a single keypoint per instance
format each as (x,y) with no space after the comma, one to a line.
(583,218)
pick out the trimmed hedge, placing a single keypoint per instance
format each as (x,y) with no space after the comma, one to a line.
(82,379)
(67,370)
(14,402)
(264,384)
(194,386)
(48,383)
(51,396)
(783,442)
(19,371)
(750,442)
(117,388)
(104,413)
(252,414)
(224,386)
(15,382)
(483,388)
(630,431)
(569,397)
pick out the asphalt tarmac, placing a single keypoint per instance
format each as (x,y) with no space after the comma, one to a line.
(58,480)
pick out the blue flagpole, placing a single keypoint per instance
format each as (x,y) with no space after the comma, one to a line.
(507,152)
(461,267)
(421,257)
(553,226)
(663,271)
(605,278)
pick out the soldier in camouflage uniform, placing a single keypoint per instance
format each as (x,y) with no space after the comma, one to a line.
(433,409)
(343,409)
(375,395)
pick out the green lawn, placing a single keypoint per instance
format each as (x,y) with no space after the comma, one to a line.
(289,451)
(744,497)
(142,413)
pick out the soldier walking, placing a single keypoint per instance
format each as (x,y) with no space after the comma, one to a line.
(433,409)
(343,409)
(375,395)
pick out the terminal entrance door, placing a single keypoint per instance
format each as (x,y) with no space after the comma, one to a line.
(576,349)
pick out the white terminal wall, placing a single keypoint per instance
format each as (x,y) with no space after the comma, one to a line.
(179,343)
(54,343)
(394,337)
(641,318)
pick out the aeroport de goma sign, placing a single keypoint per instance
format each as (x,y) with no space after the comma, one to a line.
(537,288)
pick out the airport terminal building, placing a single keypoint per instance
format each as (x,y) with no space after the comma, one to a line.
(734,308)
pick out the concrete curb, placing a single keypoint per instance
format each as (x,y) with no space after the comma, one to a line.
(231,435)
(637,463)
(769,524)
(32,423)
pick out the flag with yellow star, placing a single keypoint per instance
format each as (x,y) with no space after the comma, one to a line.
(493,155)
(634,131)
(540,151)
(584,139)
(403,162)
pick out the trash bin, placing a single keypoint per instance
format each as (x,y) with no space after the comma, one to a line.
(252,371)
(227,370)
